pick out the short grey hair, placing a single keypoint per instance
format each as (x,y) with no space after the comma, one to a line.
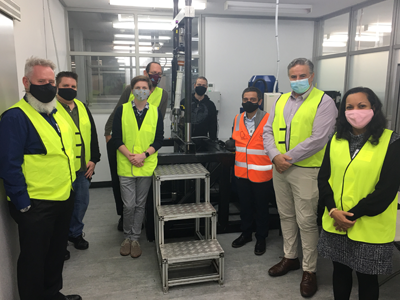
(36,61)
(301,61)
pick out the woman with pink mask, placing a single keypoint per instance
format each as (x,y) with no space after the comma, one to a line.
(358,183)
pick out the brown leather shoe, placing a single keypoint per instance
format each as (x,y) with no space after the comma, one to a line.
(284,266)
(308,285)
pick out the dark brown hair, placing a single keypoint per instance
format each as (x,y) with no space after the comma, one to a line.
(141,78)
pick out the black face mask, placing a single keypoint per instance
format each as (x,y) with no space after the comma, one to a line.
(249,107)
(67,94)
(200,90)
(44,93)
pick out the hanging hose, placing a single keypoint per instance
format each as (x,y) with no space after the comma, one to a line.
(54,38)
(274,90)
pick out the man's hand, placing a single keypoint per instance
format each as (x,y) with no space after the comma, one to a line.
(281,162)
(108,137)
(341,222)
(90,169)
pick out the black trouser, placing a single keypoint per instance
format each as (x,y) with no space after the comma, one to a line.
(368,286)
(43,234)
(254,205)
(112,161)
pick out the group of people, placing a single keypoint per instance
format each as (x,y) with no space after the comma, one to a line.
(48,156)
(340,167)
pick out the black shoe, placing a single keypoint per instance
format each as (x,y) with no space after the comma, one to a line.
(259,249)
(120,226)
(73,297)
(67,255)
(241,241)
(79,242)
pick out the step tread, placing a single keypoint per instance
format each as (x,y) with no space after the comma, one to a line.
(187,210)
(191,251)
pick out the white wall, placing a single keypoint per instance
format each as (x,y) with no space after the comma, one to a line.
(236,49)
(31,37)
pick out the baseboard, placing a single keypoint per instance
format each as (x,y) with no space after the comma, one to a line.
(100,184)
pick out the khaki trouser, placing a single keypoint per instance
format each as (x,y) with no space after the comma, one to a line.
(296,192)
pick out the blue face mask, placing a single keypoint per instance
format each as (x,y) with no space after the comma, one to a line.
(300,86)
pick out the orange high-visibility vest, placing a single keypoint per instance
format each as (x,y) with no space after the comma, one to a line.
(251,162)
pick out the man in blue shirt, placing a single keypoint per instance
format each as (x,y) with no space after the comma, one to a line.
(35,166)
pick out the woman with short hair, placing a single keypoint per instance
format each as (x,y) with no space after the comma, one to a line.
(138,134)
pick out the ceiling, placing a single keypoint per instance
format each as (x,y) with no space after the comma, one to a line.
(216,7)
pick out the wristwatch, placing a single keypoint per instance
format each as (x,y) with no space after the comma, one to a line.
(147,154)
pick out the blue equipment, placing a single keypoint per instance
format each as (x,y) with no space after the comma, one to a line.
(265,83)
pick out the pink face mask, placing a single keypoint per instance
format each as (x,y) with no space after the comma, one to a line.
(359,118)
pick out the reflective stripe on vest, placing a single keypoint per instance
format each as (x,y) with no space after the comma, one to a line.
(300,128)
(251,162)
(49,176)
(154,98)
(137,141)
(82,133)
(354,179)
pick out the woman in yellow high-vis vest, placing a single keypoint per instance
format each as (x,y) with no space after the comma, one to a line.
(138,134)
(358,184)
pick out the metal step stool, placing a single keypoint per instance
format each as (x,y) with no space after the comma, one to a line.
(188,255)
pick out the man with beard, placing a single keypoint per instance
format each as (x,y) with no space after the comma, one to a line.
(204,113)
(37,166)
(87,152)
(158,98)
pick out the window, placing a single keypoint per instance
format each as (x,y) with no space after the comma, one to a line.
(335,35)
(373,26)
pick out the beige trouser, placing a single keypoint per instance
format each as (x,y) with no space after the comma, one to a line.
(296,192)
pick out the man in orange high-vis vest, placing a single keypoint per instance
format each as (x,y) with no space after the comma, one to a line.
(253,170)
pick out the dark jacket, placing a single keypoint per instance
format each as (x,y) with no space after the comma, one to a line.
(204,117)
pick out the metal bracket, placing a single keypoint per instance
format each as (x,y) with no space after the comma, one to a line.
(187,12)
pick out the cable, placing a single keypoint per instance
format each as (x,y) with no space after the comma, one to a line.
(44,29)
(52,31)
(277,47)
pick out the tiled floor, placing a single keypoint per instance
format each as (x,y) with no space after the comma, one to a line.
(101,273)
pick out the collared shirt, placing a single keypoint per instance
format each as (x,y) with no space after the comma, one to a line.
(139,113)
(323,127)
(19,137)
(250,123)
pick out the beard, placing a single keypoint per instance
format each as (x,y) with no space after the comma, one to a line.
(41,107)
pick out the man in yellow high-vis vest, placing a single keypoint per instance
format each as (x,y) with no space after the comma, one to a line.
(158,98)
(295,136)
(37,166)
(87,152)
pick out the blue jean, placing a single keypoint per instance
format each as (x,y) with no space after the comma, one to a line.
(81,188)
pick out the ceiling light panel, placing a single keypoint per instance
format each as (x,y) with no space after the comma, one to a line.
(198,4)
(241,6)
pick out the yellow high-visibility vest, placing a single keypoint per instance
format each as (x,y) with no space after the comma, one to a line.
(49,176)
(137,141)
(300,127)
(352,180)
(82,134)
